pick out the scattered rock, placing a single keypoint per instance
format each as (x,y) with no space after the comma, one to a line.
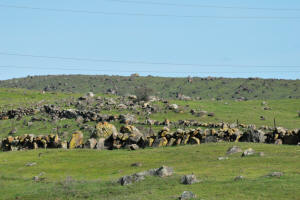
(186,195)
(173,107)
(134,147)
(238,178)
(275,174)
(165,171)
(138,164)
(261,154)
(189,179)
(223,158)
(30,164)
(248,152)
(234,149)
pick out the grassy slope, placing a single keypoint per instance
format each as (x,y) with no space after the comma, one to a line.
(93,173)
(225,88)
(248,112)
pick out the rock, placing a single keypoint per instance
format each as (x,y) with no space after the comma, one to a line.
(127,119)
(278,141)
(90,94)
(160,142)
(186,195)
(253,135)
(261,154)
(101,144)
(134,147)
(164,171)
(13,131)
(290,139)
(238,178)
(138,164)
(234,149)
(223,158)
(122,106)
(38,177)
(134,134)
(90,143)
(173,107)
(275,174)
(76,140)
(128,180)
(30,164)
(104,130)
(248,152)
(211,114)
(189,179)
(210,139)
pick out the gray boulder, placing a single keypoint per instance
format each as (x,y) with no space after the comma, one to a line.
(164,171)
(252,135)
(189,179)
(186,195)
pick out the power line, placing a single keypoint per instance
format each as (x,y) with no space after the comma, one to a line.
(142,62)
(76,68)
(202,6)
(149,15)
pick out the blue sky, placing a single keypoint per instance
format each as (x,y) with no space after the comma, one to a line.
(214,47)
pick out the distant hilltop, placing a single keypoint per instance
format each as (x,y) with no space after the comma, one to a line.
(166,87)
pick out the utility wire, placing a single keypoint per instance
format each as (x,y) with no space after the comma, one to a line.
(76,68)
(142,62)
(149,15)
(201,6)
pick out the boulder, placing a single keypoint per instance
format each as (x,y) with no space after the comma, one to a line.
(134,135)
(128,180)
(275,174)
(134,147)
(253,135)
(290,139)
(160,142)
(76,140)
(173,107)
(104,130)
(164,171)
(101,144)
(90,143)
(186,195)
(234,149)
(127,119)
(189,179)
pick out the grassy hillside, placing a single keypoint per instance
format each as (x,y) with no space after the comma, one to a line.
(91,174)
(206,88)
(247,112)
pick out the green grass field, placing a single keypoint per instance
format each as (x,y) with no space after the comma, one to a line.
(91,174)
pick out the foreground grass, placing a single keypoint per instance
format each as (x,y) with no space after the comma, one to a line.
(90,174)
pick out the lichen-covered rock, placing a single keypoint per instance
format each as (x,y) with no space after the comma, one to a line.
(104,130)
(76,140)
(160,142)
